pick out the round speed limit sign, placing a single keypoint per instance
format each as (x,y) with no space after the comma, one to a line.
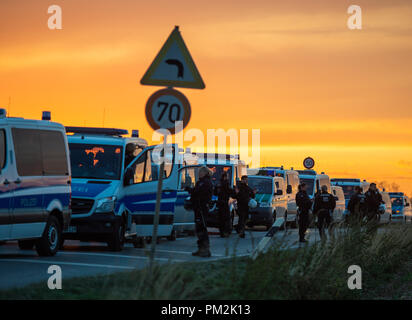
(308,163)
(165,107)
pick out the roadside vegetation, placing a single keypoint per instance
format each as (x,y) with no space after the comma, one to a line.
(318,271)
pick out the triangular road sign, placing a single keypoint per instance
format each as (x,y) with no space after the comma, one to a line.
(173,66)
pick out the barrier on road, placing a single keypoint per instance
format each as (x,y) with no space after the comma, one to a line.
(265,243)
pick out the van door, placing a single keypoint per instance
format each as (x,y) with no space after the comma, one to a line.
(281,200)
(29,217)
(6,187)
(184,219)
(140,189)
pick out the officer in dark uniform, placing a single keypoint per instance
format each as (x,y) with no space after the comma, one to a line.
(201,194)
(224,192)
(243,194)
(373,201)
(304,204)
(130,154)
(324,205)
(357,206)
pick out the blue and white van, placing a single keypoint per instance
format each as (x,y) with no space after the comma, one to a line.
(314,181)
(114,191)
(34,183)
(291,180)
(401,207)
(270,198)
(348,185)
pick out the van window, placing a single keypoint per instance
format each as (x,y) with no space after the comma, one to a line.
(138,168)
(2,149)
(146,168)
(188,177)
(27,151)
(54,153)
(293,180)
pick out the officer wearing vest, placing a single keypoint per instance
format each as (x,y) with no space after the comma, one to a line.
(201,195)
(324,205)
(304,204)
(357,206)
(373,201)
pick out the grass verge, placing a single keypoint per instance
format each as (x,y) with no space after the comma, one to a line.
(319,271)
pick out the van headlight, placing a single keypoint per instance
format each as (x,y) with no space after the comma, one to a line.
(105,204)
(265,205)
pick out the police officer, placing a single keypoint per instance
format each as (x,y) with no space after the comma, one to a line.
(224,192)
(373,201)
(357,206)
(243,194)
(130,154)
(324,205)
(201,194)
(304,204)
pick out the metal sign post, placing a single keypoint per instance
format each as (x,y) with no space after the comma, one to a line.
(158,200)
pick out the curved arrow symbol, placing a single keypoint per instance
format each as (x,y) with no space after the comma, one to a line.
(178,64)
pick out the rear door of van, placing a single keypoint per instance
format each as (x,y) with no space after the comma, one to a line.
(6,187)
(29,218)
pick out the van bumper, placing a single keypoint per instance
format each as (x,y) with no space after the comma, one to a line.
(98,225)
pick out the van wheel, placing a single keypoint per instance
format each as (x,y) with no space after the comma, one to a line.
(172,236)
(116,241)
(26,244)
(48,244)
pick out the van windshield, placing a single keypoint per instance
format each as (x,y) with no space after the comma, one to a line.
(90,161)
(310,183)
(263,186)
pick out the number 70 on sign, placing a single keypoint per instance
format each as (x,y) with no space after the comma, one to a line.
(165,107)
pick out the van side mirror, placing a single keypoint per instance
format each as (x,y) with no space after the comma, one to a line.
(279,192)
(289,189)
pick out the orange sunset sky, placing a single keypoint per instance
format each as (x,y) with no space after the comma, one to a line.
(289,68)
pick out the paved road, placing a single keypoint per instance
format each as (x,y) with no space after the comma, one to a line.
(21,267)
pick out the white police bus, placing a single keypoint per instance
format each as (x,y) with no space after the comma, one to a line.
(114,192)
(34,183)
(98,160)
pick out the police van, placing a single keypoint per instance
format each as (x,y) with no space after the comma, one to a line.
(291,180)
(218,164)
(115,185)
(314,181)
(34,183)
(99,159)
(401,207)
(270,198)
(348,185)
